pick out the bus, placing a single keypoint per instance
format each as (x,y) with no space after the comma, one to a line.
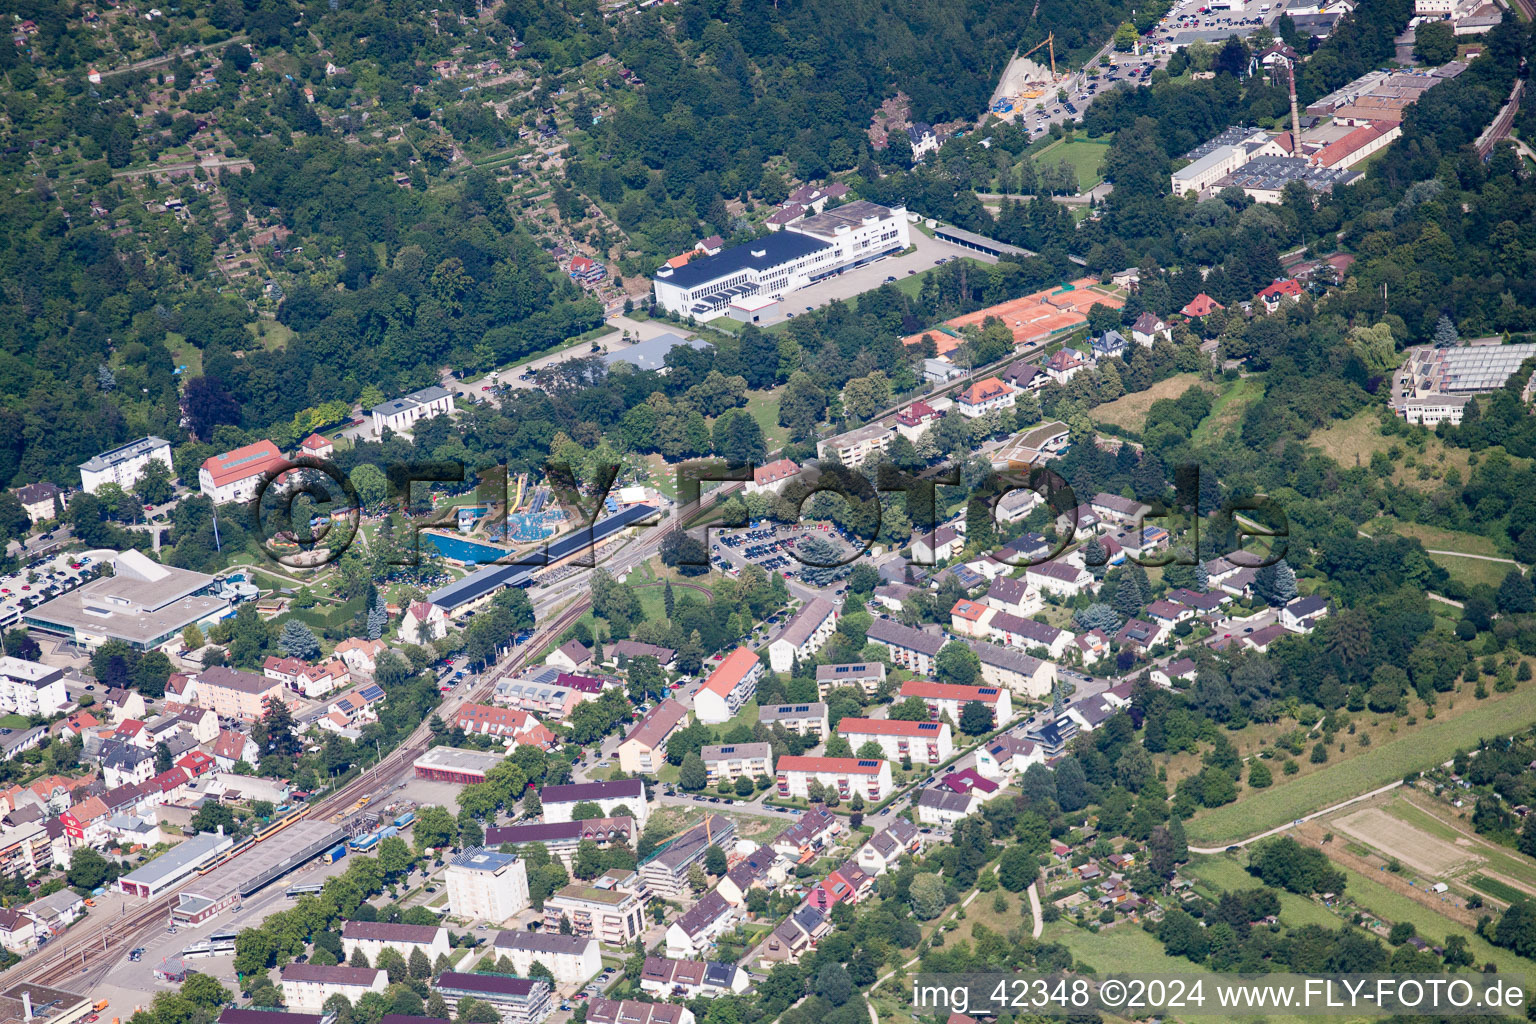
(218,944)
(304,889)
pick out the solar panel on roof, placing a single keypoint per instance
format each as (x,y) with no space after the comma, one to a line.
(373,691)
(869,764)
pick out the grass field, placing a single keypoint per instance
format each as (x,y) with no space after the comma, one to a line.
(14,721)
(1402,840)
(1129,412)
(1472,571)
(1086,158)
(1352,442)
(1126,948)
(764,407)
(1364,770)
(1221,873)
(1433,819)
(1228,409)
(1435,537)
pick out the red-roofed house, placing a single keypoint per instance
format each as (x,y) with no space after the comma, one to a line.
(360,655)
(195,763)
(773,476)
(1064,364)
(929,742)
(870,778)
(316,447)
(951,699)
(915,420)
(1201,305)
(238,475)
(984,396)
(728,687)
(1278,292)
(231,747)
(507,723)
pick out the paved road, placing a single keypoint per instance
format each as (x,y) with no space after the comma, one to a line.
(208,164)
(1034,909)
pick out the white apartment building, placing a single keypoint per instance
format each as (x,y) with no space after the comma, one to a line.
(124,465)
(560,801)
(374,937)
(924,742)
(484,885)
(802,253)
(729,686)
(572,959)
(867,676)
(731,761)
(803,635)
(306,987)
(401,413)
(852,448)
(951,698)
(239,476)
(870,779)
(28,688)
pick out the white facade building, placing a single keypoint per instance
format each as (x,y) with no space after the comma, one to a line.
(572,959)
(803,635)
(484,885)
(122,466)
(804,252)
(28,688)
(239,475)
(306,987)
(399,415)
(374,937)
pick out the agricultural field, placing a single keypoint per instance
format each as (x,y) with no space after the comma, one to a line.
(1439,819)
(1404,842)
(1425,745)
(1129,412)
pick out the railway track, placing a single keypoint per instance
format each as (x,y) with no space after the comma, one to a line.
(103,943)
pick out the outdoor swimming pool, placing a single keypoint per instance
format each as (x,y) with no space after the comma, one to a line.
(463,550)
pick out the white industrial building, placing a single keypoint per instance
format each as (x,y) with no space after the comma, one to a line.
(785,261)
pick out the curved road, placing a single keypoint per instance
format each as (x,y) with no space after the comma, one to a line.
(1290,825)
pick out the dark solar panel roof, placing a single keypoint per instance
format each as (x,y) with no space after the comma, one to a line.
(779,247)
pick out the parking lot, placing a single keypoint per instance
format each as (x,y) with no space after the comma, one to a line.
(42,580)
(770,546)
(927,252)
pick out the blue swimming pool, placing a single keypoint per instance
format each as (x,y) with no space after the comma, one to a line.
(463,550)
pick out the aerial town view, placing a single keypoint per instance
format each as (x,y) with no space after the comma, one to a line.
(767,512)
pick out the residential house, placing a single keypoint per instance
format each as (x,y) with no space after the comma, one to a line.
(1060,578)
(1179,670)
(808,719)
(231,693)
(231,747)
(943,807)
(867,677)
(870,778)
(762,868)
(424,622)
(510,724)
(939,546)
(912,649)
(852,448)
(689,979)
(799,933)
(1013,595)
(1108,345)
(1014,670)
(1201,305)
(306,987)
(1064,364)
(1141,634)
(623,651)
(1301,615)
(374,937)
(359,655)
(644,750)
(809,836)
(916,420)
(986,395)
(560,801)
(38,500)
(773,477)
(923,742)
(951,698)
(572,656)
(731,761)
(572,959)
(601,909)
(729,686)
(803,635)
(696,931)
(1006,756)
(1148,328)
(1286,289)
(886,848)
(633,1011)
(18,932)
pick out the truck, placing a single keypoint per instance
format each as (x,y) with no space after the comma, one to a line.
(101,1004)
(405,820)
(336,854)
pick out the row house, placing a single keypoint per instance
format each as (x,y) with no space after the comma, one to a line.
(814,832)
(763,868)
(797,935)
(689,979)
(633,1011)
(886,848)
(510,724)
(696,931)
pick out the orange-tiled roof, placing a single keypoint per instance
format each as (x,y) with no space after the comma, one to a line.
(731,671)
(847,765)
(969,610)
(1201,305)
(944,343)
(928,689)
(984,390)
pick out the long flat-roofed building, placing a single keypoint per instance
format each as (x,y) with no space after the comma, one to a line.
(517,1000)
(560,801)
(804,252)
(144,604)
(666,873)
(174,866)
(455,764)
(400,413)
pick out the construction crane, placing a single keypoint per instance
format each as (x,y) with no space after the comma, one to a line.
(1050,42)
